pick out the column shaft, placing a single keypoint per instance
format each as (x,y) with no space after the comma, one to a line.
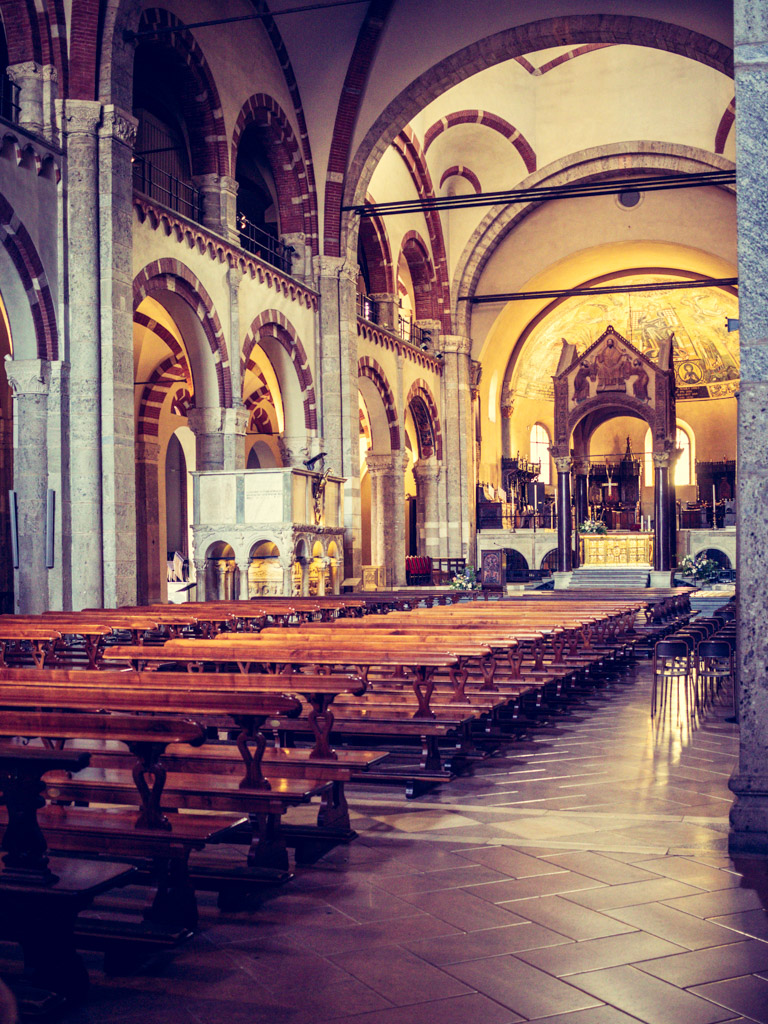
(564,532)
(661,539)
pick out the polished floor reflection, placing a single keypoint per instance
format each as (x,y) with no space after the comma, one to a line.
(579,877)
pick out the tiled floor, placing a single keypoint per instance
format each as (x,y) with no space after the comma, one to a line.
(580,877)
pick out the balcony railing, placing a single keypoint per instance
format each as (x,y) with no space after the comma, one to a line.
(10,107)
(260,243)
(368,309)
(166,189)
(410,332)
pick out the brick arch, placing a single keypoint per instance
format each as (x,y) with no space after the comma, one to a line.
(273,324)
(459,171)
(296,196)
(587,165)
(416,253)
(25,258)
(420,390)
(169,275)
(724,128)
(567,30)
(172,370)
(374,241)
(21,22)
(492,121)
(261,393)
(201,106)
(371,370)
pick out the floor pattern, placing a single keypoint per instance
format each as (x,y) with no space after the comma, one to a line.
(579,877)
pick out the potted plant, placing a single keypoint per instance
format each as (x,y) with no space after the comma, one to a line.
(466,580)
(700,570)
(596,526)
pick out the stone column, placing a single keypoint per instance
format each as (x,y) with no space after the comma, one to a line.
(388,515)
(427,473)
(458,445)
(243,593)
(674,455)
(581,501)
(389,310)
(220,437)
(294,449)
(378,467)
(219,204)
(301,265)
(662,561)
(200,588)
(749,815)
(337,381)
(81,119)
(29,380)
(286,565)
(564,533)
(117,136)
(28,76)
(149,587)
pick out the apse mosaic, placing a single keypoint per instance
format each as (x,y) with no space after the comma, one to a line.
(706,354)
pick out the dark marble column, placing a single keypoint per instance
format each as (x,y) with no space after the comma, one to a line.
(581,503)
(564,532)
(662,560)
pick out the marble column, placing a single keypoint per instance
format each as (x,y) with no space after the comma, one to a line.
(219,204)
(389,310)
(662,561)
(458,445)
(149,564)
(581,502)
(243,588)
(749,814)
(37,85)
(286,565)
(81,119)
(117,135)
(427,474)
(219,436)
(378,468)
(674,455)
(29,380)
(336,380)
(200,591)
(564,532)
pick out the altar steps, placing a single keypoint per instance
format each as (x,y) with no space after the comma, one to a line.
(587,578)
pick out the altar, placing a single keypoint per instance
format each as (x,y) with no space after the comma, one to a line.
(618,548)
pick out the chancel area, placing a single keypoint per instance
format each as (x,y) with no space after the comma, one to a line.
(383,533)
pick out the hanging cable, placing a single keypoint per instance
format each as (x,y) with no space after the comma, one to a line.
(558,293)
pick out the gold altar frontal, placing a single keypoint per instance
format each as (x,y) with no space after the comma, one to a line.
(617,549)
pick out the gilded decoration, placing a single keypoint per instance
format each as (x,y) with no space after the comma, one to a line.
(617,549)
(704,354)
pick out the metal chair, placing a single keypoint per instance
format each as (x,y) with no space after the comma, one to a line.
(714,668)
(672,672)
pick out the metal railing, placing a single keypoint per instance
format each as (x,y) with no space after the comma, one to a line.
(410,332)
(10,107)
(368,309)
(260,243)
(166,189)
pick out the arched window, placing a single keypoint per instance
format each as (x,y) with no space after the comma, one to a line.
(683,468)
(540,443)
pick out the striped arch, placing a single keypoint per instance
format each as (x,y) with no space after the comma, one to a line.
(259,421)
(420,392)
(578,51)
(169,275)
(273,324)
(407,145)
(296,197)
(724,128)
(416,253)
(374,242)
(172,370)
(24,256)
(370,369)
(203,116)
(459,171)
(493,121)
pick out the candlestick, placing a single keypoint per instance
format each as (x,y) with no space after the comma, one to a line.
(714,509)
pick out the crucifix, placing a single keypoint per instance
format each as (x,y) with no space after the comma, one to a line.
(610,485)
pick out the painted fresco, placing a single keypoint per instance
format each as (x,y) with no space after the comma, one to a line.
(706,355)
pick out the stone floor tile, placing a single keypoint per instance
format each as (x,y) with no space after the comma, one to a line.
(368,936)
(459,1010)
(537,885)
(631,894)
(693,872)
(432,881)
(602,868)
(595,954)
(652,1001)
(509,861)
(462,909)
(594,1015)
(568,918)
(707,965)
(522,988)
(747,995)
(400,976)
(716,904)
(675,926)
(753,923)
(454,949)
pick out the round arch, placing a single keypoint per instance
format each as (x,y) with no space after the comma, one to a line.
(420,390)
(380,403)
(174,286)
(416,254)
(172,370)
(274,333)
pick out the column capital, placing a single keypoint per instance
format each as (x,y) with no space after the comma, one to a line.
(28,376)
(81,117)
(205,420)
(662,460)
(454,344)
(119,125)
(20,74)
(426,469)
(563,463)
(336,266)
(380,464)
(581,467)
(148,451)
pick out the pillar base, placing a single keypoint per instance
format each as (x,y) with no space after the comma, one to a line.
(562,580)
(662,578)
(749,815)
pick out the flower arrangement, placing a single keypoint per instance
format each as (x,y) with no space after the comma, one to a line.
(700,569)
(466,580)
(593,526)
